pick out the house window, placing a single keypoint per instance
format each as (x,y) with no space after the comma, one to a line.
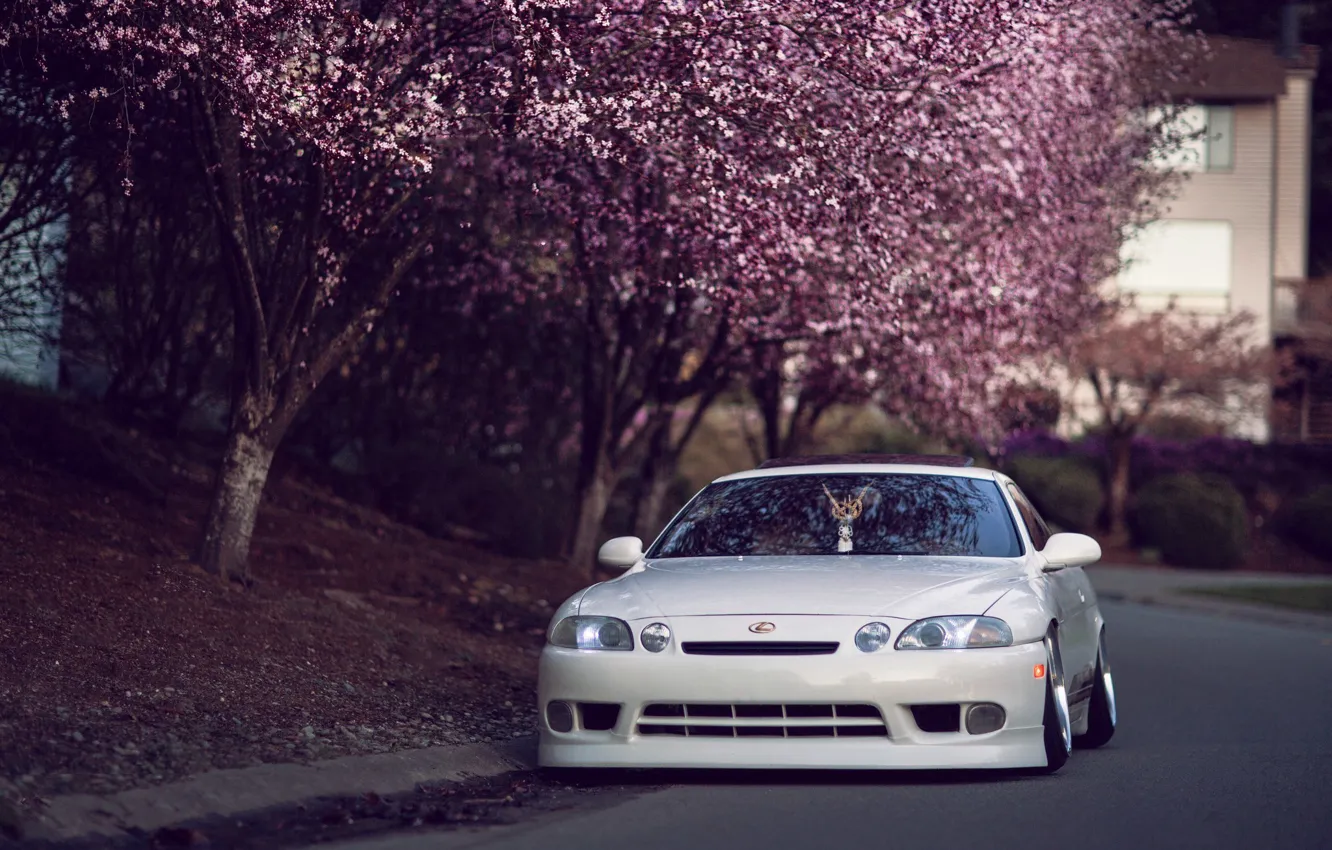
(1178,257)
(1209,143)
(1219,143)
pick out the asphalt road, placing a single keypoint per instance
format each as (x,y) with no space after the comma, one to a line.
(1225,740)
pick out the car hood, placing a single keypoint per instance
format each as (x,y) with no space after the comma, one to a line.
(890,586)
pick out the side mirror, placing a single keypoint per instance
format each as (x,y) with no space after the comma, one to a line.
(1070,550)
(621,553)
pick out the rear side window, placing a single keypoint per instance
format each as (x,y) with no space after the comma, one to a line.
(1036,527)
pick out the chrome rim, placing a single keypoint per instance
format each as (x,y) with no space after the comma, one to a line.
(1108,683)
(1056,673)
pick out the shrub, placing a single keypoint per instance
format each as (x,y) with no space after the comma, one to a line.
(870,432)
(1067,490)
(1307,522)
(524,513)
(1035,442)
(1194,520)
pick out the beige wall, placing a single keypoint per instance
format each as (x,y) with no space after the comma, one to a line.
(1244,197)
(1265,199)
(1293,127)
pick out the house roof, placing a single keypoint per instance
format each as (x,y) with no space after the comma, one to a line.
(1242,69)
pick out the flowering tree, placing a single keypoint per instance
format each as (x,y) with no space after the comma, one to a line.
(316,124)
(940,187)
(948,387)
(1146,364)
(901,161)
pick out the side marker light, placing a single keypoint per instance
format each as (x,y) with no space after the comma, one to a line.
(1038,671)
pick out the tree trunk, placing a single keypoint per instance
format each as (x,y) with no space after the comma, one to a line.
(770,410)
(225,547)
(765,385)
(1118,457)
(654,476)
(593,500)
(652,501)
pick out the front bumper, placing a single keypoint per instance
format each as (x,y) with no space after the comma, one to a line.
(889,679)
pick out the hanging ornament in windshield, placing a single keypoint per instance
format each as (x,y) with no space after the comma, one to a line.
(845,512)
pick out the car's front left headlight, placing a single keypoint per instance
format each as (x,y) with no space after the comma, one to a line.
(592,633)
(955,633)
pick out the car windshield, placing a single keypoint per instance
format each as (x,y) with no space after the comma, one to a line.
(868,514)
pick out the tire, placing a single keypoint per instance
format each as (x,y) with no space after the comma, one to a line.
(1102,713)
(1058,726)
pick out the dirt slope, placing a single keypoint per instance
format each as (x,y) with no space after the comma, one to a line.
(122,664)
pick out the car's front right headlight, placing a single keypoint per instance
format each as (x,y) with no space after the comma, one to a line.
(955,633)
(592,633)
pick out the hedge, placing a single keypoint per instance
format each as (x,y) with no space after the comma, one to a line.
(1194,520)
(1067,491)
(1307,522)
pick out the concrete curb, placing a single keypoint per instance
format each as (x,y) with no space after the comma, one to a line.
(235,792)
(1255,612)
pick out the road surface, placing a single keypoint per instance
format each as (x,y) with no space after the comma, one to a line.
(1225,740)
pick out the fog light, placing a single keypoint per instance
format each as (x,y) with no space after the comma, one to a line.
(655,637)
(872,637)
(985,717)
(559,716)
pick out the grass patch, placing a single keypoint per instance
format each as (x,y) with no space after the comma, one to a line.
(1308,597)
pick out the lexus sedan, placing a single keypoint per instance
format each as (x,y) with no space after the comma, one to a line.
(835,612)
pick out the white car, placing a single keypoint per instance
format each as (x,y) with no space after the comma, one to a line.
(837,612)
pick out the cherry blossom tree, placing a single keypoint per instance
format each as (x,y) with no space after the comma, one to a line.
(1139,365)
(948,223)
(908,163)
(317,125)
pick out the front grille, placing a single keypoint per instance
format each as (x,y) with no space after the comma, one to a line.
(763,720)
(759,647)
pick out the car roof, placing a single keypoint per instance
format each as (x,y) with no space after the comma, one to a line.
(862,468)
(824,460)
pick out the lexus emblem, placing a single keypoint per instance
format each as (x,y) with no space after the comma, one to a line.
(762,628)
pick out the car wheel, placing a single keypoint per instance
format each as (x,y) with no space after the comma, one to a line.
(1102,714)
(1058,728)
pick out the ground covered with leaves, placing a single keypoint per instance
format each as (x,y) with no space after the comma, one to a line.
(125,665)
(476,803)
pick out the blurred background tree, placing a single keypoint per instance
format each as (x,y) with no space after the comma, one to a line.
(1140,365)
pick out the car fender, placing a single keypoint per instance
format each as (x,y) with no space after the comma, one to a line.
(567,608)
(620,597)
(1027,610)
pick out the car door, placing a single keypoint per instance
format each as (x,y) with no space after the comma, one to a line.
(1073,597)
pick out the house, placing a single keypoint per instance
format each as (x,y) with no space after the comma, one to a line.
(1236,235)
(31,260)
(34,187)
